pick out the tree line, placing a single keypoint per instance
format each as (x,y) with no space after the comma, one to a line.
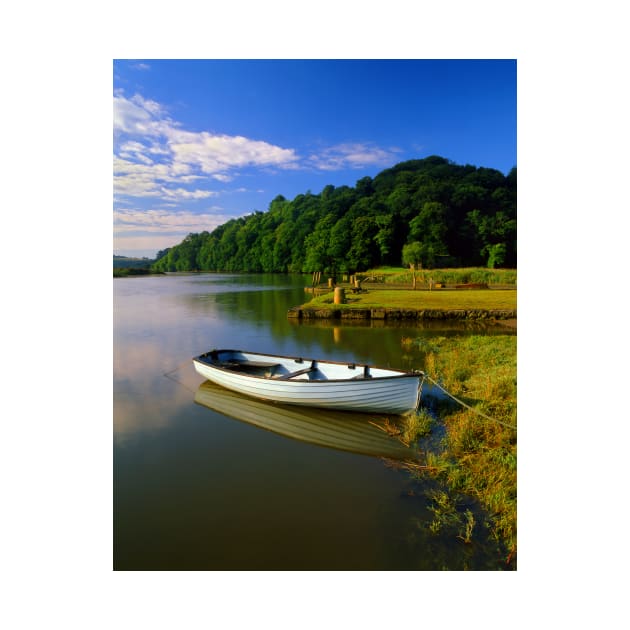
(431,212)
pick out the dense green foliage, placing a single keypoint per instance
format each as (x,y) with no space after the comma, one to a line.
(121,262)
(458,215)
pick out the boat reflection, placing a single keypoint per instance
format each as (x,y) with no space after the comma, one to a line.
(342,430)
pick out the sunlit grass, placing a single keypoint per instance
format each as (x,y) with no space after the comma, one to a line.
(466,299)
(463,275)
(479,454)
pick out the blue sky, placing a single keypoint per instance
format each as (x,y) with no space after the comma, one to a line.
(198,142)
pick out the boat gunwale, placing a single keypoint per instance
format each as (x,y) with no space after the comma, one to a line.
(401,374)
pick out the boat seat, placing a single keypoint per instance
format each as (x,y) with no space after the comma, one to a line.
(286,377)
(253,368)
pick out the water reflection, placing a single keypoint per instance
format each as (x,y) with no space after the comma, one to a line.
(161,322)
(452,326)
(346,431)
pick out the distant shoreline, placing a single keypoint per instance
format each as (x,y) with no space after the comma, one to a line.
(130,272)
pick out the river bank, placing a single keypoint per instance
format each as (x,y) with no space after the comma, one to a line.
(409,305)
(472,450)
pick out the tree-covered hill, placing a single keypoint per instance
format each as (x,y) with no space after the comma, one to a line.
(453,215)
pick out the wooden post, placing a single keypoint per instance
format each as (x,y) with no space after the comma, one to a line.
(340,295)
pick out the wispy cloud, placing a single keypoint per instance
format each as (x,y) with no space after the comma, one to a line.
(148,179)
(352,155)
(218,154)
(149,230)
(172,224)
(158,153)
(141,117)
(144,133)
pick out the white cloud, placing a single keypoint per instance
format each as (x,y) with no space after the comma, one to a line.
(151,106)
(157,149)
(148,180)
(145,132)
(138,116)
(352,155)
(216,154)
(133,147)
(222,178)
(138,180)
(181,193)
(159,226)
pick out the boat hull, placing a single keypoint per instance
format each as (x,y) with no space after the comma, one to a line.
(381,391)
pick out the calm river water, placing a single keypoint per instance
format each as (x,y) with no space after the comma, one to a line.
(201,483)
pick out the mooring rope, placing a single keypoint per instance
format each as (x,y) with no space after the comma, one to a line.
(179,367)
(419,396)
(461,402)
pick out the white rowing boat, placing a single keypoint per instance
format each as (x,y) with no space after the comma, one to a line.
(341,430)
(312,382)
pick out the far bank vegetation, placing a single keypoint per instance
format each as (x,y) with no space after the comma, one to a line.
(431,213)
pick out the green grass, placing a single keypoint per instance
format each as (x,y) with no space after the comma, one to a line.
(464,275)
(408,299)
(477,457)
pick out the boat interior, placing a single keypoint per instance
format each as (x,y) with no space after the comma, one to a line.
(284,369)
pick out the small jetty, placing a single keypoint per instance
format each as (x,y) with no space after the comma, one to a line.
(342,293)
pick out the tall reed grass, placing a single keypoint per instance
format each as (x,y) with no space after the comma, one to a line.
(477,456)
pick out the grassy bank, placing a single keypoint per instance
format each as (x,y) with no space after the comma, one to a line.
(476,456)
(409,299)
(464,275)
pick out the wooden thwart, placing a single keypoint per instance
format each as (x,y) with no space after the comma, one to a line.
(286,377)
